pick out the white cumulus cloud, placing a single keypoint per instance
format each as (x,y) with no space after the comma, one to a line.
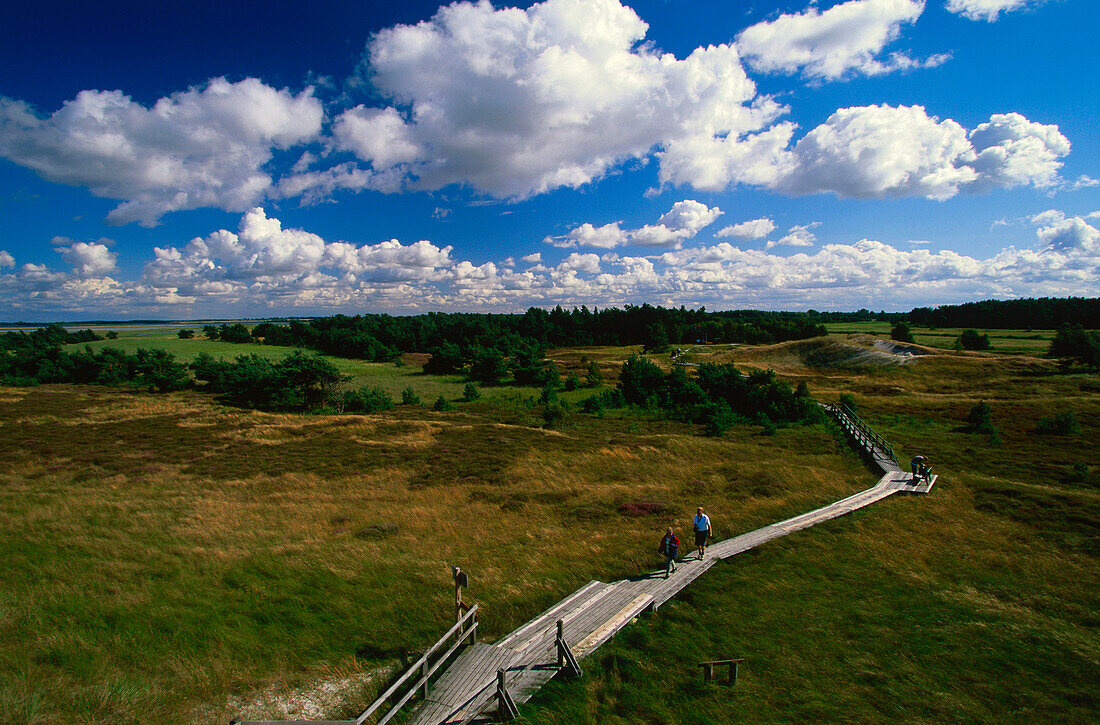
(885,151)
(683,221)
(747,230)
(88,259)
(845,39)
(516,102)
(204,147)
(797,236)
(988,10)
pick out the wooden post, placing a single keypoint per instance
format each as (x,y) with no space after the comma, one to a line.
(561,638)
(708,672)
(506,707)
(458,597)
(424,677)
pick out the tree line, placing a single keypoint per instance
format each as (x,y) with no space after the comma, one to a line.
(1049,313)
(382,338)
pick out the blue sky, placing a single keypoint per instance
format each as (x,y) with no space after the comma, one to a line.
(243,159)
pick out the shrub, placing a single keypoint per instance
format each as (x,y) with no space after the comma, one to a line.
(848,401)
(409,397)
(111,335)
(593,378)
(640,381)
(554,413)
(366,400)
(1059,424)
(572,381)
(487,366)
(1073,343)
(234,333)
(470,393)
(980,418)
(972,340)
(901,332)
(159,370)
(612,398)
(185,334)
(718,418)
(441,404)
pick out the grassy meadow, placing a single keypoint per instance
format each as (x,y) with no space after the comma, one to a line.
(1028,342)
(171,559)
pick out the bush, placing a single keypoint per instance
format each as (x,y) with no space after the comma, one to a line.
(901,332)
(848,401)
(470,393)
(234,333)
(596,404)
(441,404)
(409,397)
(972,340)
(1073,343)
(555,413)
(718,418)
(641,381)
(487,366)
(111,335)
(593,378)
(185,334)
(980,418)
(366,400)
(1059,424)
(572,381)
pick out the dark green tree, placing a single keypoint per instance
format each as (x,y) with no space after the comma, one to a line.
(901,332)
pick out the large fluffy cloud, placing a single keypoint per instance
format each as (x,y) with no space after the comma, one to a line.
(988,10)
(204,147)
(883,151)
(845,39)
(517,102)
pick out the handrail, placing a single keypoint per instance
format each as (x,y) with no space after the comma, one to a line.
(416,667)
(865,429)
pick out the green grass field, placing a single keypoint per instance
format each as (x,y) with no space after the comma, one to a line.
(170,559)
(1027,342)
(388,376)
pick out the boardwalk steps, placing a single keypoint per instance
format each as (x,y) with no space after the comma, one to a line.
(528,657)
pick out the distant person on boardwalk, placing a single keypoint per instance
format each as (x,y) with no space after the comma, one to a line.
(917,463)
(670,547)
(701,525)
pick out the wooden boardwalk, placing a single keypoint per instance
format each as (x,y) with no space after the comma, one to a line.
(468,690)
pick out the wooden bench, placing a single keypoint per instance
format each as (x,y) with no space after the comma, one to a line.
(731,673)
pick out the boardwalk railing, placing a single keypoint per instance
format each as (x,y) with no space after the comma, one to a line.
(424,668)
(857,428)
(465,629)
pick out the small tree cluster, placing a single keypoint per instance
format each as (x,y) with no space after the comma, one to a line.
(298,382)
(901,332)
(717,396)
(972,340)
(1059,424)
(980,420)
(1075,344)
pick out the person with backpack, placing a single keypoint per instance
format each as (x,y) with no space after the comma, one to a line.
(701,525)
(670,547)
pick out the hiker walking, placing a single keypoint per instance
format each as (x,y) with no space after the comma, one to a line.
(670,547)
(701,525)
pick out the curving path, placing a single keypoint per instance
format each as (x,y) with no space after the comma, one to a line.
(468,690)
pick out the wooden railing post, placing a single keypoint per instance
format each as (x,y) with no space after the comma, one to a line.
(506,707)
